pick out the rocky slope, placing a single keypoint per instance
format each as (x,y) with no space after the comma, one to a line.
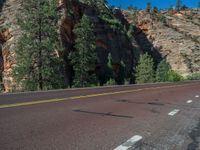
(108,40)
(171,35)
(8,39)
(174,35)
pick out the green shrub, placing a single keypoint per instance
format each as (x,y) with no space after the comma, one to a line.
(111,82)
(194,76)
(174,76)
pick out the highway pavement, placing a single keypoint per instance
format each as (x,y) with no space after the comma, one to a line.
(163,116)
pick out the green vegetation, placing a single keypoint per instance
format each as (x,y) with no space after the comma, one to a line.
(148,8)
(37,59)
(145,72)
(103,10)
(145,69)
(110,82)
(162,71)
(155,10)
(194,76)
(42,65)
(113,23)
(89,2)
(107,15)
(132,8)
(84,59)
(174,76)
(131,31)
(178,5)
(159,17)
(134,14)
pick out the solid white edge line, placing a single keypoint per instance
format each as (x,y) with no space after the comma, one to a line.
(172,113)
(189,101)
(132,142)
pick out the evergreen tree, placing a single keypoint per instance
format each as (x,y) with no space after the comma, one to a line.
(38,63)
(145,69)
(155,10)
(131,31)
(105,13)
(89,2)
(178,5)
(84,59)
(184,7)
(198,5)
(162,71)
(148,8)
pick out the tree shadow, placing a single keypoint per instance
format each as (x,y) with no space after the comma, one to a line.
(147,47)
(110,114)
(141,103)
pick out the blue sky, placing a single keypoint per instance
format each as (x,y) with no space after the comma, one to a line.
(158,3)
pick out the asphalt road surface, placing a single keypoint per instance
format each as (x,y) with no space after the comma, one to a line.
(143,117)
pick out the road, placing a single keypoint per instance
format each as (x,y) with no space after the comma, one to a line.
(165,116)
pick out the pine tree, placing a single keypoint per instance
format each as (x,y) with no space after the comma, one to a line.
(103,10)
(89,2)
(162,71)
(178,5)
(145,69)
(148,8)
(84,59)
(155,10)
(198,5)
(38,63)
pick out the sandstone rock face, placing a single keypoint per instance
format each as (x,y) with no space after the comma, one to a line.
(107,40)
(176,38)
(9,35)
(8,38)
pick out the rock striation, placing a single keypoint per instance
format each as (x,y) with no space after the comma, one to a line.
(107,39)
(174,35)
(9,33)
(166,34)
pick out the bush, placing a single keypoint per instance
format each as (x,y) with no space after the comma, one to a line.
(194,76)
(110,82)
(174,76)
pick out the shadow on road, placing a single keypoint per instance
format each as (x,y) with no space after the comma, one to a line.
(149,103)
(194,135)
(102,114)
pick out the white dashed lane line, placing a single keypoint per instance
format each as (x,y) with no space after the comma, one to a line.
(189,101)
(172,113)
(197,96)
(132,143)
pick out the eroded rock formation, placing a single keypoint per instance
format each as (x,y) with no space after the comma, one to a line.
(174,36)
(8,38)
(107,40)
